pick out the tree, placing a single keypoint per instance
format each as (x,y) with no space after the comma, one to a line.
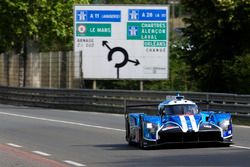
(129,1)
(48,22)
(25,22)
(13,27)
(219,32)
(241,69)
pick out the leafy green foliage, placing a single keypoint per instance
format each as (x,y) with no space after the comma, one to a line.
(48,22)
(129,1)
(219,32)
(241,71)
(57,21)
(11,25)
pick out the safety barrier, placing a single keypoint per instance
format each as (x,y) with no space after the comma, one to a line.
(114,101)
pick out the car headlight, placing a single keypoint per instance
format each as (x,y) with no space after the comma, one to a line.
(225,124)
(151,127)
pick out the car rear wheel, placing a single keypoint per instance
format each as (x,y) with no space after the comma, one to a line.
(141,135)
(128,137)
(226,144)
(141,142)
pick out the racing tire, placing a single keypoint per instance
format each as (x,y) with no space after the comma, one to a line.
(226,144)
(141,135)
(127,127)
(141,140)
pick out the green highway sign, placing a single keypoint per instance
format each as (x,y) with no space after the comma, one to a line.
(146,31)
(155,44)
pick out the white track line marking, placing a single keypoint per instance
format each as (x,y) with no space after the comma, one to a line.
(14,145)
(41,153)
(60,121)
(117,115)
(242,126)
(73,163)
(243,147)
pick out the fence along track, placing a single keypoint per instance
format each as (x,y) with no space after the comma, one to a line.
(113,100)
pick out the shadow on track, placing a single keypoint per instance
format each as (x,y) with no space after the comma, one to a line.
(167,147)
(191,146)
(117,147)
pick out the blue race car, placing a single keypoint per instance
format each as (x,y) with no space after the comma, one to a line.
(178,121)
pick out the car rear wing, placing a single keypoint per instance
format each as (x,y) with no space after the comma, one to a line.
(149,108)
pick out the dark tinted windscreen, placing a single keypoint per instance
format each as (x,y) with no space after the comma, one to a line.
(181,109)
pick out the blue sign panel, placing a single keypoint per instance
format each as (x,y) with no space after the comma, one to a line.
(147,15)
(133,30)
(98,16)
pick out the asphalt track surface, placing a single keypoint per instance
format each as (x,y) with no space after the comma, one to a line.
(36,137)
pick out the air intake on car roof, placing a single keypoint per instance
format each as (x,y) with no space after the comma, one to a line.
(179,97)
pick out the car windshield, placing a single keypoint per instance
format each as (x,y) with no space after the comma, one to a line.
(181,109)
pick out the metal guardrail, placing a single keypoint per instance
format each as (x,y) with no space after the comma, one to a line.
(114,100)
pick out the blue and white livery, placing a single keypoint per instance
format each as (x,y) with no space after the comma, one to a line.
(178,121)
